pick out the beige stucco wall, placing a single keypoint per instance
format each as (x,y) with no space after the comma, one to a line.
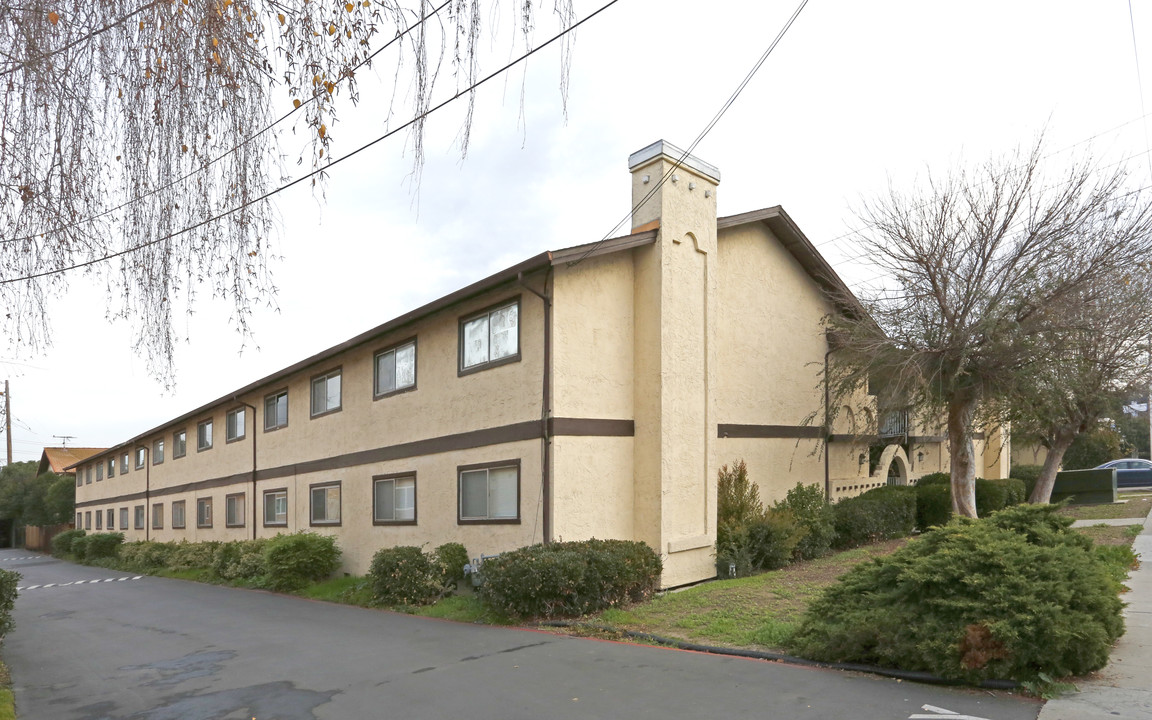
(592,488)
(1025,452)
(442,404)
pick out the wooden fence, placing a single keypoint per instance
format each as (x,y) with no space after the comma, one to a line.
(40,537)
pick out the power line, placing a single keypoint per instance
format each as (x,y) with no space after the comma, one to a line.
(1139,80)
(204,166)
(703,133)
(317,171)
(82,39)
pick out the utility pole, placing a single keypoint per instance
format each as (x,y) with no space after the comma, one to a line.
(8,419)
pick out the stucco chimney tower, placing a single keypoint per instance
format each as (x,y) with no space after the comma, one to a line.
(675,485)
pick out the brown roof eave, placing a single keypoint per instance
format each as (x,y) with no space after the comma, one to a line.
(797,243)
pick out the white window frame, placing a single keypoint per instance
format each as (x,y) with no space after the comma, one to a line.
(336,374)
(390,355)
(326,489)
(278,498)
(473,471)
(476,346)
(403,488)
(235,425)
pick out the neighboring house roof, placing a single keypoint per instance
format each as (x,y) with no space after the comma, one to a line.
(775,218)
(61,459)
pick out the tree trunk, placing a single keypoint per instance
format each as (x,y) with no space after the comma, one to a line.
(1042,493)
(963,457)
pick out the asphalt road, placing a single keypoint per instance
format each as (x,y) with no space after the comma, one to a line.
(89,644)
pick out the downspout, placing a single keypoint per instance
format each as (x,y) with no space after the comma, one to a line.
(827,430)
(546,404)
(255,509)
(147,493)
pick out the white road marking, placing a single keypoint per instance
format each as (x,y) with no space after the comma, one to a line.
(941,714)
(80,582)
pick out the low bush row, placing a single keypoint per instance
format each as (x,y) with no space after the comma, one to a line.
(1015,595)
(406,575)
(284,562)
(934,498)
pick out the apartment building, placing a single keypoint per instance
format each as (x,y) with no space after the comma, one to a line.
(592,391)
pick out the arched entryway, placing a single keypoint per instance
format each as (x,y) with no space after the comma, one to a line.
(893,465)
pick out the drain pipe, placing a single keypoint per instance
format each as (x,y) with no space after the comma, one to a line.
(255,508)
(827,430)
(147,491)
(546,403)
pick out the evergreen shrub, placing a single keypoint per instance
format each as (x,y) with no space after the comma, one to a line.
(297,559)
(1017,595)
(62,542)
(403,575)
(815,516)
(102,545)
(879,514)
(239,559)
(570,578)
(8,581)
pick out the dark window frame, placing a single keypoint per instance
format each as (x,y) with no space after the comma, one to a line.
(276,395)
(184,442)
(243,511)
(183,514)
(158,451)
(87,519)
(461,469)
(124,518)
(111,472)
(208,502)
(211,441)
(140,460)
(415,493)
(465,319)
(264,505)
(231,413)
(99,520)
(111,523)
(99,472)
(376,368)
(338,484)
(139,517)
(338,370)
(124,463)
(158,516)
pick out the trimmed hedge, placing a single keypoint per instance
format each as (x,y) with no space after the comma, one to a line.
(1017,595)
(295,560)
(403,575)
(451,559)
(240,560)
(9,579)
(102,545)
(934,498)
(570,578)
(879,514)
(933,504)
(62,542)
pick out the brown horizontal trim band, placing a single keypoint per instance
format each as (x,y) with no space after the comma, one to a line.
(733,430)
(854,439)
(927,438)
(591,427)
(516,432)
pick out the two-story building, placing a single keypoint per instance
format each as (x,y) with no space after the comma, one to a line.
(592,391)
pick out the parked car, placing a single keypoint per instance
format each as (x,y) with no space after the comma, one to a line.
(1130,472)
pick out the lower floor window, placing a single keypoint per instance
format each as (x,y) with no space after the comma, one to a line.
(234,510)
(394,499)
(99,520)
(276,507)
(178,514)
(88,520)
(158,516)
(490,493)
(325,503)
(123,518)
(112,520)
(139,517)
(204,512)
(79,521)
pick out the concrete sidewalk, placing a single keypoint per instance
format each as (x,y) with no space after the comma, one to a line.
(1123,689)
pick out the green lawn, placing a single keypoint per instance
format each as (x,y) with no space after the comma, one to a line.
(759,611)
(1129,507)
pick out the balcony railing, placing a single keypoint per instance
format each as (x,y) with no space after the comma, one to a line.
(894,423)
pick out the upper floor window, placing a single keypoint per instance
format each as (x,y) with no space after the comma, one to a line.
(234,425)
(395,369)
(326,393)
(179,444)
(111,467)
(88,475)
(140,455)
(491,337)
(124,462)
(276,410)
(204,435)
(157,452)
(99,472)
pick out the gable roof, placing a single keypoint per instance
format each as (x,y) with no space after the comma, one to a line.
(62,459)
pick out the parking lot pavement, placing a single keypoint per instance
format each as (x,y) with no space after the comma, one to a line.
(159,649)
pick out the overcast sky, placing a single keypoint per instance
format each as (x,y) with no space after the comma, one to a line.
(856,97)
